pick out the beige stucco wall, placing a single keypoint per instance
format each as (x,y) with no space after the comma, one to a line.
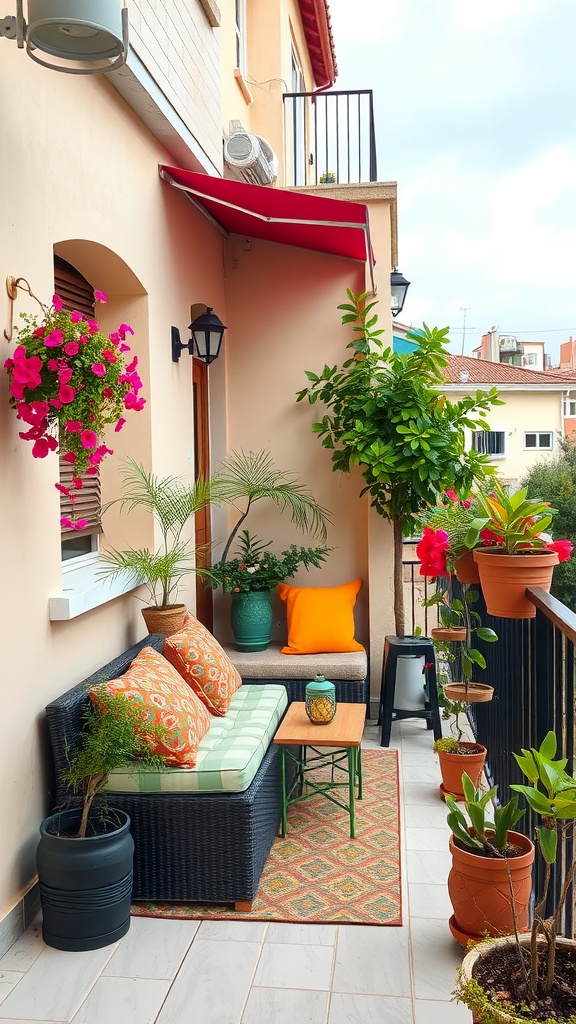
(93,192)
(523,411)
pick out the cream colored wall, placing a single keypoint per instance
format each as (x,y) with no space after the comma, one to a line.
(93,192)
(180,49)
(523,411)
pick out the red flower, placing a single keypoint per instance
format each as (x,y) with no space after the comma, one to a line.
(563,547)
(57,303)
(489,539)
(431,551)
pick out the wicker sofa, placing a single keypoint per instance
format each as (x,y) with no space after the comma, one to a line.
(189,847)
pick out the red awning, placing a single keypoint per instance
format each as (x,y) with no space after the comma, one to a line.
(333,226)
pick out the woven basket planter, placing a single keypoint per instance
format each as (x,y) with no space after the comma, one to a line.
(165,621)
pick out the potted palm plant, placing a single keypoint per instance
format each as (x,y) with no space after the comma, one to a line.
(521,554)
(529,978)
(250,578)
(85,853)
(172,503)
(490,880)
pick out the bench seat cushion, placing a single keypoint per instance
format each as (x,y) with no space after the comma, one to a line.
(271,664)
(229,755)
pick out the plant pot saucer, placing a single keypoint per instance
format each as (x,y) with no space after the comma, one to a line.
(465,937)
(447,634)
(475,693)
(446,792)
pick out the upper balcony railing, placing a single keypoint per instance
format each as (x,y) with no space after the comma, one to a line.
(329,137)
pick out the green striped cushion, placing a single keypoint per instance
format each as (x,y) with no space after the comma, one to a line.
(229,754)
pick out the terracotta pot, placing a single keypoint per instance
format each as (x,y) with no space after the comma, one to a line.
(452,767)
(466,569)
(447,634)
(474,693)
(480,891)
(492,948)
(165,621)
(504,579)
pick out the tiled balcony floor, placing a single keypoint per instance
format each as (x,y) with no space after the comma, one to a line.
(219,972)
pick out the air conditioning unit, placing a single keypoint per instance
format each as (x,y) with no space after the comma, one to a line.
(250,157)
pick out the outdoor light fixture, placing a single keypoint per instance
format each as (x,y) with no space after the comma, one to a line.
(398,288)
(88,37)
(206,338)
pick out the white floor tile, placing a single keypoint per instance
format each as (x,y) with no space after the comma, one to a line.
(8,979)
(25,950)
(238,931)
(152,948)
(416,755)
(285,1006)
(429,1012)
(427,839)
(372,960)
(431,867)
(436,957)
(425,816)
(282,965)
(302,934)
(55,986)
(129,1000)
(420,793)
(212,985)
(423,774)
(429,901)
(361,1009)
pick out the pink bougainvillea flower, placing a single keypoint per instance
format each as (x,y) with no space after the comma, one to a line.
(563,547)
(54,339)
(43,446)
(124,348)
(100,297)
(452,495)
(110,355)
(139,404)
(69,457)
(74,426)
(83,340)
(93,327)
(489,539)
(132,366)
(55,403)
(92,471)
(65,375)
(39,332)
(71,348)
(81,524)
(114,337)
(467,503)
(119,424)
(66,394)
(64,490)
(124,329)
(52,365)
(66,523)
(57,303)
(95,458)
(27,371)
(431,551)
(89,439)
(107,392)
(77,483)
(9,363)
(76,316)
(99,369)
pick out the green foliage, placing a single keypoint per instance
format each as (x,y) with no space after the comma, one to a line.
(172,503)
(255,568)
(551,795)
(459,612)
(449,744)
(488,838)
(554,478)
(113,733)
(513,519)
(252,476)
(387,413)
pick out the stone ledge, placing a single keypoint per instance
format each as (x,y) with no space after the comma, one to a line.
(271,664)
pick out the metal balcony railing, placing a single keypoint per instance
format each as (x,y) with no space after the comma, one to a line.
(329,137)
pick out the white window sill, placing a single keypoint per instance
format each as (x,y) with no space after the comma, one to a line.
(84,590)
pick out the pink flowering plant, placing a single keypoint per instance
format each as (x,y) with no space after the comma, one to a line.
(444,530)
(68,382)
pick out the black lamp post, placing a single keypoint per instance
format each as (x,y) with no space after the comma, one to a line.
(398,288)
(206,338)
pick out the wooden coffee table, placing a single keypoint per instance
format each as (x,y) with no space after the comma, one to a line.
(343,735)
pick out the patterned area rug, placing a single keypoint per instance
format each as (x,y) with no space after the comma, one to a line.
(317,874)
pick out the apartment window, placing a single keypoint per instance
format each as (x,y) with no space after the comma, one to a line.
(241,35)
(77,293)
(569,407)
(540,441)
(489,442)
(530,359)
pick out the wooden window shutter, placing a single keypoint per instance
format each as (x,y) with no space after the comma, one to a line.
(77,293)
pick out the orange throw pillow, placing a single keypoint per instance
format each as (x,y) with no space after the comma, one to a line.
(202,663)
(320,619)
(166,700)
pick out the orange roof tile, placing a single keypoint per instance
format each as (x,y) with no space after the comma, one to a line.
(466,370)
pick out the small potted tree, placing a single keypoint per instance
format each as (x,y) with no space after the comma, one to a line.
(85,853)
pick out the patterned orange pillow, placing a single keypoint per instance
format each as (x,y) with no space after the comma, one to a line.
(166,700)
(200,660)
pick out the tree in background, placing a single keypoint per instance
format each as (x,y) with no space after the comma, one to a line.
(554,479)
(388,414)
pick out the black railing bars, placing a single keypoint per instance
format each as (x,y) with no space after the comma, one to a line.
(329,137)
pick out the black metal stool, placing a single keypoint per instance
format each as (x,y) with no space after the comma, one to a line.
(394,646)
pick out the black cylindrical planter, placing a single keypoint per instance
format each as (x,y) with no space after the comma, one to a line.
(85,884)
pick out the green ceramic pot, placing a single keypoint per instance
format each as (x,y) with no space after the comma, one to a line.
(251,619)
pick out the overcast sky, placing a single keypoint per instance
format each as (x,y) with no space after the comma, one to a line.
(475,106)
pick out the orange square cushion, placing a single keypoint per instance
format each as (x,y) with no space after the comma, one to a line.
(202,663)
(320,619)
(166,700)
